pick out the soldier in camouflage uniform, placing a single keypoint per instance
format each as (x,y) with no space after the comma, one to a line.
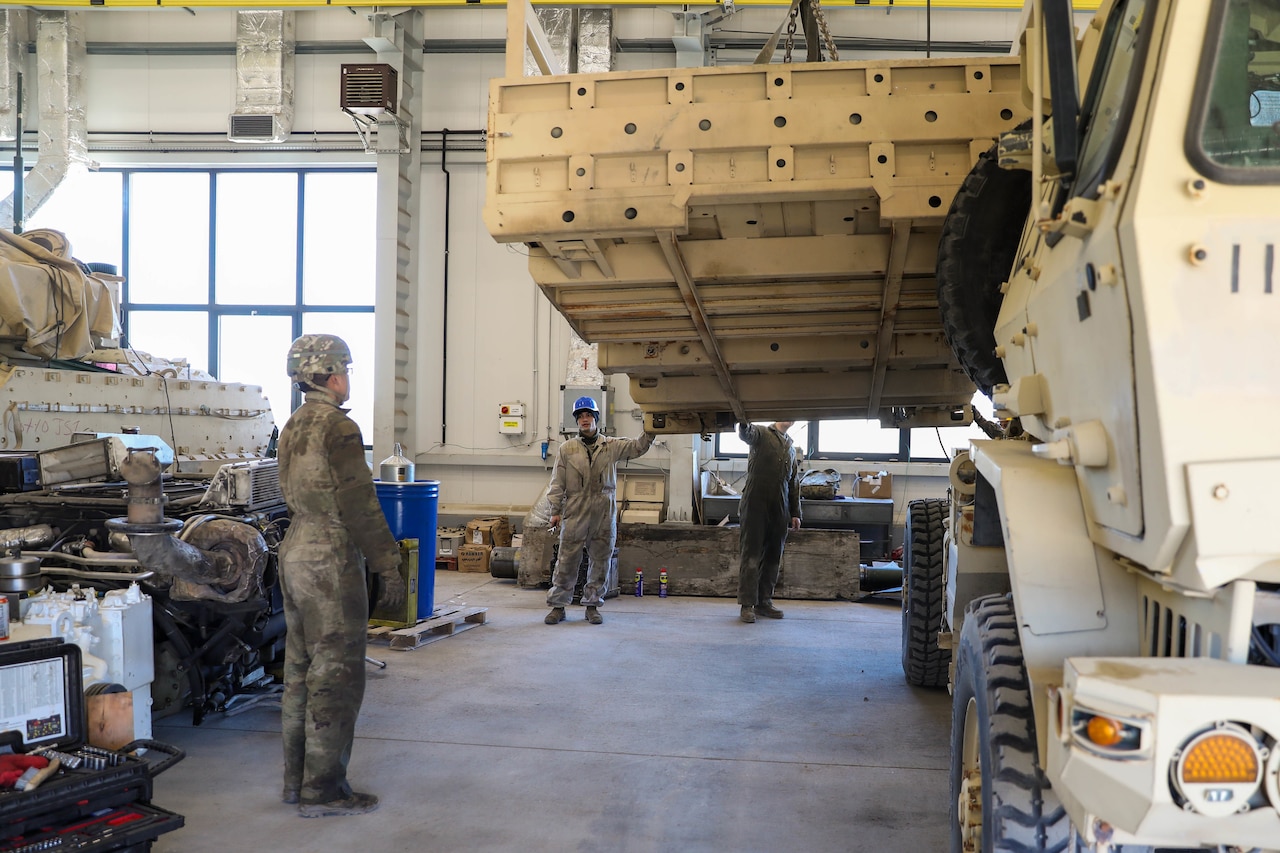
(770,506)
(583,487)
(336,524)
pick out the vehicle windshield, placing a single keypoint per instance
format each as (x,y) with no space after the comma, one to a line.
(1239,126)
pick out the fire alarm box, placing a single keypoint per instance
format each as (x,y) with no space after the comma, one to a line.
(511,418)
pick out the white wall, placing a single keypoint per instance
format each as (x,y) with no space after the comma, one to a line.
(505,343)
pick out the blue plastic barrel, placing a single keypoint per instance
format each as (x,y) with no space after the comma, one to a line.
(411,510)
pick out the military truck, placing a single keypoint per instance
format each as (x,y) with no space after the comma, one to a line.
(1086,235)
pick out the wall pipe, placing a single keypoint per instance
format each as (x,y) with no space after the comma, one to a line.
(444,308)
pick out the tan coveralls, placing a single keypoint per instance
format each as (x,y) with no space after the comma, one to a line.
(583,491)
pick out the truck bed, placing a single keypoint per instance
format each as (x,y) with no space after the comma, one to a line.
(750,242)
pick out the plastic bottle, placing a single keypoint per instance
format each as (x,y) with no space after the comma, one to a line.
(662,583)
(639,582)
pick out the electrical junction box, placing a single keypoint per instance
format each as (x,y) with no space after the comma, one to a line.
(511,418)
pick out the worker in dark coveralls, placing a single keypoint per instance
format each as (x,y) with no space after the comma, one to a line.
(336,524)
(582,494)
(770,507)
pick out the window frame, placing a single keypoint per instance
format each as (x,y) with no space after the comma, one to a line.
(210,308)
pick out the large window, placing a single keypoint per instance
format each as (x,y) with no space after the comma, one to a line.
(866,440)
(224,268)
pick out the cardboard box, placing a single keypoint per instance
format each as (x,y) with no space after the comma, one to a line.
(474,558)
(873,484)
(494,532)
(448,541)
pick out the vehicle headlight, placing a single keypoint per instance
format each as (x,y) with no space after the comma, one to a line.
(1219,770)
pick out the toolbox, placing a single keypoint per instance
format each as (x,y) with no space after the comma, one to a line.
(97,799)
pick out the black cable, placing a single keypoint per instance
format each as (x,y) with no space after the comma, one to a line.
(1264,648)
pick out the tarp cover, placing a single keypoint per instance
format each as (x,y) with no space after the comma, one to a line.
(49,301)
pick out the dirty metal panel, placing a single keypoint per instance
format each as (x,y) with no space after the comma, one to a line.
(749,240)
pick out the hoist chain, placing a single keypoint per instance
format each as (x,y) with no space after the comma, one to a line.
(791,29)
(827,40)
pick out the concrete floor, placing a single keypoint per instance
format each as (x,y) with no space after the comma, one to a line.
(672,726)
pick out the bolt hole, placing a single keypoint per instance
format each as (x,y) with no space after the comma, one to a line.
(934,201)
(705,124)
(630,213)
(582,90)
(567,216)
(930,116)
(679,87)
(556,133)
(977,75)
(855,118)
(581,171)
(781,163)
(848,219)
(780,121)
(777,81)
(882,159)
(879,78)
(774,347)
(752,221)
(1201,254)
(864,344)
(630,128)
(679,167)
(1006,114)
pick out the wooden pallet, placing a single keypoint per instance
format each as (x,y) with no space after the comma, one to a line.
(444,622)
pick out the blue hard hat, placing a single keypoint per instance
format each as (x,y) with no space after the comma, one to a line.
(585,404)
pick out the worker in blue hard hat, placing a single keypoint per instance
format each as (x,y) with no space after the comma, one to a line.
(582,497)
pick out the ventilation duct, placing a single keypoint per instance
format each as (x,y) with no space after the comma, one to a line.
(558,23)
(64,137)
(265,45)
(595,41)
(13,49)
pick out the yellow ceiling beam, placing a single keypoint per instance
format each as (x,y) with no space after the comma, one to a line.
(1007,5)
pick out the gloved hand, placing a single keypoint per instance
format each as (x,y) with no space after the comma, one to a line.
(393,591)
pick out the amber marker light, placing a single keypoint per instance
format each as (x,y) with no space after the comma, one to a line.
(1104,731)
(1220,758)
(1107,735)
(1219,770)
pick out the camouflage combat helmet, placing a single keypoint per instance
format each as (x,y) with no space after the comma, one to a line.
(317,354)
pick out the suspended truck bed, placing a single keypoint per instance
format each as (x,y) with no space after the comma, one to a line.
(751,242)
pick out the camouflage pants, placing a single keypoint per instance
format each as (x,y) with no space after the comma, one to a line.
(326,611)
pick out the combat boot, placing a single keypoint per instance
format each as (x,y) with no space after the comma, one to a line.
(555,616)
(593,615)
(354,803)
(748,614)
(766,608)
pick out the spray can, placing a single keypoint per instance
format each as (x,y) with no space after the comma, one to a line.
(662,583)
(639,582)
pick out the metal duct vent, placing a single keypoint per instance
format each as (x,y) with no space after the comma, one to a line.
(265,47)
(252,485)
(256,128)
(369,89)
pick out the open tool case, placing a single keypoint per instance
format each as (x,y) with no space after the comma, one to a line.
(98,799)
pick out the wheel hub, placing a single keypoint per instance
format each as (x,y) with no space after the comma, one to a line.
(969,804)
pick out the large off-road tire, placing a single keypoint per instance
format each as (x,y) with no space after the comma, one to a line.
(1000,797)
(979,242)
(924,574)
